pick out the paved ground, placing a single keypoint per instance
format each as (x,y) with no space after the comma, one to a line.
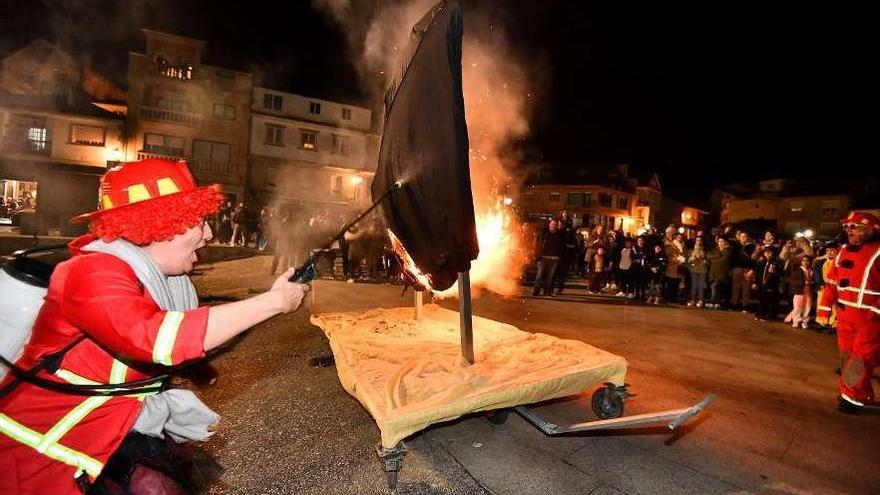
(289,427)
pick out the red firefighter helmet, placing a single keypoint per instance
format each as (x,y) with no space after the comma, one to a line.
(150,200)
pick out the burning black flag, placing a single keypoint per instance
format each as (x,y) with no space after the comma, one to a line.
(425,146)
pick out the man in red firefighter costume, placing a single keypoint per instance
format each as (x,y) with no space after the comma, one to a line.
(853,285)
(121,309)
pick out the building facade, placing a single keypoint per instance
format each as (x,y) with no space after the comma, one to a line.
(310,153)
(55,141)
(588,204)
(181,108)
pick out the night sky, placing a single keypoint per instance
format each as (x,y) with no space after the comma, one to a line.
(706,94)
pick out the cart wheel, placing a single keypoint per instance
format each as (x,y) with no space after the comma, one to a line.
(498,416)
(607,403)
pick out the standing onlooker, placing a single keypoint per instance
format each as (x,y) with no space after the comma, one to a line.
(698,266)
(581,249)
(675,256)
(719,271)
(599,267)
(768,275)
(743,268)
(821,266)
(626,270)
(639,268)
(656,273)
(224,223)
(262,229)
(569,247)
(551,246)
(240,224)
(800,286)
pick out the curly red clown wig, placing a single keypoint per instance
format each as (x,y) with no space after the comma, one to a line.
(148,201)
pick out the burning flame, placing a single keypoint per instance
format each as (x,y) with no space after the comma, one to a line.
(498,266)
(408,264)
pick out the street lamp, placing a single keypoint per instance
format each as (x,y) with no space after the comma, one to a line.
(808,233)
(508,201)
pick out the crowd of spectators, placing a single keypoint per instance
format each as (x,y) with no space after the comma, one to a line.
(721,268)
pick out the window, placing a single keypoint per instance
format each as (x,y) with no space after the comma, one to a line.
(275,134)
(272,102)
(182,70)
(315,107)
(210,156)
(576,199)
(223,111)
(346,114)
(336,185)
(88,135)
(796,206)
(605,200)
(528,197)
(38,135)
(163,145)
(830,207)
(309,140)
(341,145)
(553,197)
(623,203)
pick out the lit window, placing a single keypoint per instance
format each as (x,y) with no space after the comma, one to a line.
(88,135)
(796,206)
(309,140)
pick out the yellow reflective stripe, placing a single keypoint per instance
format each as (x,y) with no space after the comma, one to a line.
(824,308)
(69,421)
(118,371)
(71,377)
(166,337)
(25,435)
(866,275)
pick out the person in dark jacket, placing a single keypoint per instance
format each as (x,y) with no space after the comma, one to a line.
(569,247)
(768,277)
(742,269)
(656,274)
(639,268)
(720,260)
(551,248)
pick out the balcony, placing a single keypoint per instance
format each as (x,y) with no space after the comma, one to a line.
(167,115)
(161,153)
(27,147)
(206,166)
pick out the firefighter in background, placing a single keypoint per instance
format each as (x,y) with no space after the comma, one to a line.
(853,286)
(120,310)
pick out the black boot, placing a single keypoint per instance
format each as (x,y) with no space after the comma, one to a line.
(847,407)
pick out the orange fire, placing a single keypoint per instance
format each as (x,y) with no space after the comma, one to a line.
(498,266)
(408,264)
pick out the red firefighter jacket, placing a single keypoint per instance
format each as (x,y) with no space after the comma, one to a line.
(854,283)
(49,438)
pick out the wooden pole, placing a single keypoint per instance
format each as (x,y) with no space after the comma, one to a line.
(418,304)
(466,321)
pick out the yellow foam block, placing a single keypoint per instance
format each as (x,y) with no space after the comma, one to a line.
(410,374)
